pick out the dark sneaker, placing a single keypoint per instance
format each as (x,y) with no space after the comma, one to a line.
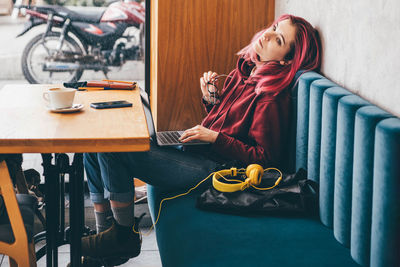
(117,242)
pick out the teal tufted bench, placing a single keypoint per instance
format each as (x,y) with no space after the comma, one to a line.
(351,148)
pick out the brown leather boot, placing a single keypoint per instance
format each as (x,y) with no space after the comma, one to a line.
(117,242)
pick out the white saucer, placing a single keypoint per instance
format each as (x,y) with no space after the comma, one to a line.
(74,108)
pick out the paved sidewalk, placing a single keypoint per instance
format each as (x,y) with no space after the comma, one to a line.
(11,49)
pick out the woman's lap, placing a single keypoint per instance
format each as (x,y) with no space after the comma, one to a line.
(169,168)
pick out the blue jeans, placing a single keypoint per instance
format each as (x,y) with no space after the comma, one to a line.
(110,175)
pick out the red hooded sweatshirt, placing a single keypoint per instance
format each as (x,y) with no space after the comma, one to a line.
(253,127)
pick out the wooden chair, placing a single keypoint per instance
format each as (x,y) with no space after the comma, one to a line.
(20,251)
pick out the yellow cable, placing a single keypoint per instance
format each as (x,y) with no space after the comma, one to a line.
(169,198)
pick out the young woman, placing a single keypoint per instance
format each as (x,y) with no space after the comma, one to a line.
(247,124)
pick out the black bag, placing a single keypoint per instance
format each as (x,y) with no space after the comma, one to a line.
(295,195)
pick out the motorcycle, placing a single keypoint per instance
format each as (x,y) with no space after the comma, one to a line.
(75,41)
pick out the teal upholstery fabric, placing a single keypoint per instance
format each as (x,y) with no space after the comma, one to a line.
(289,165)
(188,237)
(347,108)
(317,89)
(327,167)
(303,100)
(385,236)
(364,139)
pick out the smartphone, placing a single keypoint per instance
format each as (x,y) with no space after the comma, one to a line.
(111,104)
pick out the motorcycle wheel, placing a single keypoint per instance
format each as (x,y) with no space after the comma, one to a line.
(34,59)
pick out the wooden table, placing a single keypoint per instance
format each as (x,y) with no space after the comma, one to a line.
(27,126)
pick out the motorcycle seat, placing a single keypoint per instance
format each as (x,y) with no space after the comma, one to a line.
(90,16)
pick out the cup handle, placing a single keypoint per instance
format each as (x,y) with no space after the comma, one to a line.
(46,97)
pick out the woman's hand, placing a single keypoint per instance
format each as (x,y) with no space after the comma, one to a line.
(207,77)
(200,133)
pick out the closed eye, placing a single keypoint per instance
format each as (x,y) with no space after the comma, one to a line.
(280,37)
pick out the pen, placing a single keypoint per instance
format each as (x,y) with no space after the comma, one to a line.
(90,88)
(115,81)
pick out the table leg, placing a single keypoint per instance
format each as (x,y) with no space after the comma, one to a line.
(55,205)
(76,211)
(51,208)
(62,163)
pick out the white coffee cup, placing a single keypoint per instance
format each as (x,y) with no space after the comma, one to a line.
(59,98)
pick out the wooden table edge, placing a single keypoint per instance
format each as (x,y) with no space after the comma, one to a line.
(62,148)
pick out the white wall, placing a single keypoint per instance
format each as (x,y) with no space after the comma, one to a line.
(361,42)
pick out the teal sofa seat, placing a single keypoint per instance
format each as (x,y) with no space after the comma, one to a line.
(192,237)
(351,148)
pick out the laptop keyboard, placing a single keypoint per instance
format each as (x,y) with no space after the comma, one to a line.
(172,138)
(169,137)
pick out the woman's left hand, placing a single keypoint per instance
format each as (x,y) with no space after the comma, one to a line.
(200,133)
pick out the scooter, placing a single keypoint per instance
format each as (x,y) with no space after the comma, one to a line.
(74,41)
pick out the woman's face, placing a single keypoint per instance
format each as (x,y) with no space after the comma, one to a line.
(276,41)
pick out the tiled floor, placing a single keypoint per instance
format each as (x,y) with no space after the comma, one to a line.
(149,256)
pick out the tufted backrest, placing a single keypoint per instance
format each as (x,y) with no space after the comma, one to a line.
(352,148)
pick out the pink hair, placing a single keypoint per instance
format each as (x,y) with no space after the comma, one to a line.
(305,55)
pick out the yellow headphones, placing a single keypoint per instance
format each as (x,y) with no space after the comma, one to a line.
(253,172)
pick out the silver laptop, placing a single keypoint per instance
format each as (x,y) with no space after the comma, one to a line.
(163,138)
